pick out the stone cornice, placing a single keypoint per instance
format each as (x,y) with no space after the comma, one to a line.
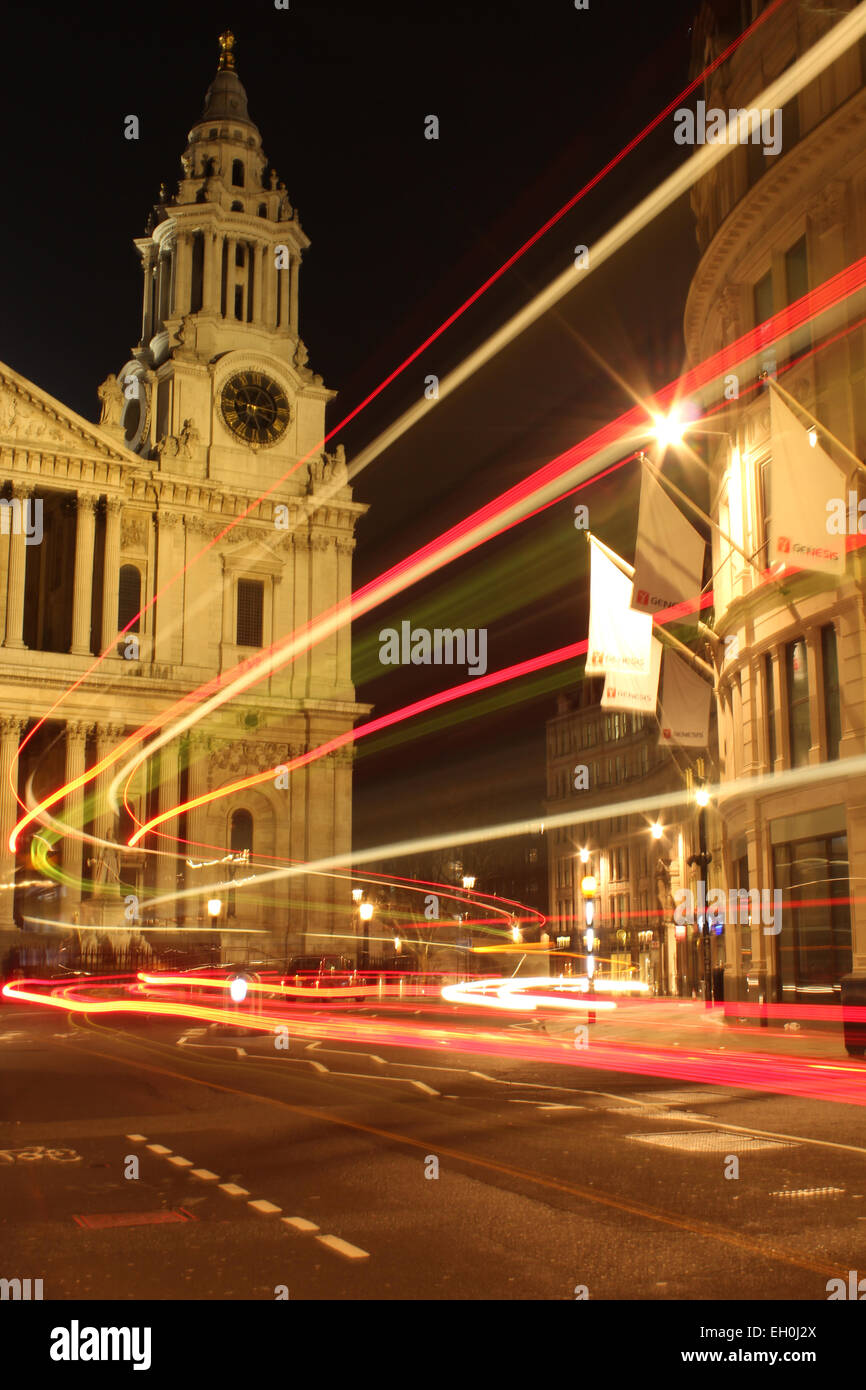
(800,177)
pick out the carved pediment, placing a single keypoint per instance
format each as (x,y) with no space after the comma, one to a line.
(31,418)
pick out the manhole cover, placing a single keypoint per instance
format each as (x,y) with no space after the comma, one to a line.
(102,1220)
(712,1141)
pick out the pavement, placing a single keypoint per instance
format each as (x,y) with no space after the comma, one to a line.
(147,1159)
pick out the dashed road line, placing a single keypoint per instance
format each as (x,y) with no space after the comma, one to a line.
(180,1162)
(300,1223)
(266,1208)
(343,1247)
(159,1149)
(231,1189)
(204,1175)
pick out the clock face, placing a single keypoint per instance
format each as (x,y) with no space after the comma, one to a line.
(255,408)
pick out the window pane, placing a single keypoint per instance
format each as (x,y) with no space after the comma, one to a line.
(128,597)
(832,713)
(771,710)
(798,702)
(250,609)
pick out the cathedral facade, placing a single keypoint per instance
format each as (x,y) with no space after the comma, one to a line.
(216,406)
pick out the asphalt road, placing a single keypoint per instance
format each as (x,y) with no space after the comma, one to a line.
(551,1179)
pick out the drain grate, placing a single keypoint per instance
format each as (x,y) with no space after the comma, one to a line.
(712,1141)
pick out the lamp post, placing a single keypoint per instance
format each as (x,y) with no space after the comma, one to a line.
(703,859)
(365,911)
(589,887)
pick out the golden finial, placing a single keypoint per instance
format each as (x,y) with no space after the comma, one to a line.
(227,57)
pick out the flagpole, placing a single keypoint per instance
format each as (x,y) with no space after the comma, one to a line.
(786,396)
(708,520)
(662,632)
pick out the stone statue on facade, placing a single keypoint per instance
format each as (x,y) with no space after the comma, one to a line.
(111,397)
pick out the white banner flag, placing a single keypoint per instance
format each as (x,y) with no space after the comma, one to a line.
(635,692)
(619,639)
(804,482)
(669,559)
(685,705)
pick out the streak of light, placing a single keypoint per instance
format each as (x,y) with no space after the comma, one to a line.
(577,464)
(460,539)
(320,498)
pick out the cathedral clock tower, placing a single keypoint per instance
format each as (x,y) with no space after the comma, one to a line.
(219,404)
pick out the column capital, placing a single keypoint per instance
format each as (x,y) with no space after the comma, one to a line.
(113,506)
(107,732)
(86,501)
(22,488)
(11,726)
(77,730)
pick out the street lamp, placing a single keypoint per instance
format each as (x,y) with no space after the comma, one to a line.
(702,860)
(214,908)
(357,895)
(584,856)
(365,911)
(468,882)
(657,830)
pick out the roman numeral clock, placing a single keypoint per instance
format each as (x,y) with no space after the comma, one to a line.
(255,408)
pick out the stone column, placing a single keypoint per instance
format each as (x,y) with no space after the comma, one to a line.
(230,243)
(817,698)
(82,598)
(294,273)
(209,295)
(258,267)
(169,795)
(73,803)
(103,820)
(285,276)
(196,832)
(149,272)
(111,573)
(183,276)
(17,576)
(10,734)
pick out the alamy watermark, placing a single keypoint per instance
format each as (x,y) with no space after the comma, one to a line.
(715,126)
(441,646)
(737,904)
(17,519)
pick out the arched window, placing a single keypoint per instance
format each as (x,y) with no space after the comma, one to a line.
(238,173)
(241,839)
(201,196)
(128,597)
(237,207)
(241,831)
(263,212)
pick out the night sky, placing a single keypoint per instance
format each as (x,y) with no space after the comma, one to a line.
(532,100)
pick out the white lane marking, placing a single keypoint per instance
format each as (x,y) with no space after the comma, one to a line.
(342,1247)
(300,1223)
(158,1149)
(319,1066)
(231,1189)
(239,1051)
(180,1162)
(205,1175)
(136,1138)
(266,1208)
(422,1086)
(311,1047)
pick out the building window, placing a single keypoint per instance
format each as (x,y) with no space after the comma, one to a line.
(797,275)
(241,838)
(251,604)
(238,173)
(129,598)
(263,212)
(799,725)
(832,711)
(772,739)
(815,941)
